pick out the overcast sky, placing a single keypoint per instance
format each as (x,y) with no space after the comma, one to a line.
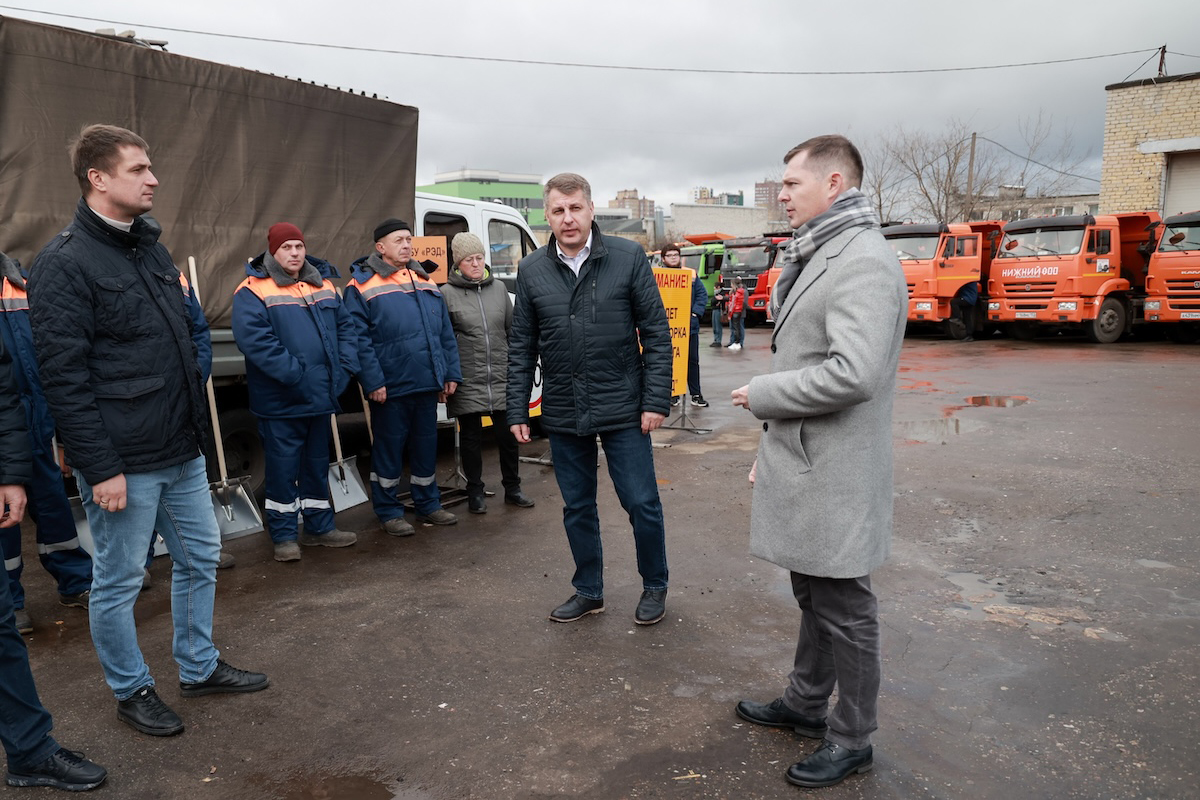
(664,132)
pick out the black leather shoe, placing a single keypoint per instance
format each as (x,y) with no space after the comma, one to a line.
(777,715)
(476,505)
(149,714)
(226,679)
(829,764)
(518,499)
(576,608)
(652,607)
(63,770)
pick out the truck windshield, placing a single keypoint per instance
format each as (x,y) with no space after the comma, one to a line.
(913,248)
(693,260)
(1038,242)
(1180,237)
(747,259)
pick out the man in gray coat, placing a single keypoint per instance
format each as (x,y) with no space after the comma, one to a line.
(822,503)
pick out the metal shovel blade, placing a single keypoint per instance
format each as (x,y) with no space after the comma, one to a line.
(346,488)
(237,513)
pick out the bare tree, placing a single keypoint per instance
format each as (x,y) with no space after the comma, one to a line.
(883,181)
(923,176)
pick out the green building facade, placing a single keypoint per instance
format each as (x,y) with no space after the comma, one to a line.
(522,192)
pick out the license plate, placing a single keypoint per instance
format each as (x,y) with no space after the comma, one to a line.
(1026,315)
(1189,315)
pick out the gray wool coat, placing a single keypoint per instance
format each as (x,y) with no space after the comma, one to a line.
(822,498)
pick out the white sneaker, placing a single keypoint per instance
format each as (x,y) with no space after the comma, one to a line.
(735,347)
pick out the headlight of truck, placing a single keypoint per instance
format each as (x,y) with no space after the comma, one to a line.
(1153,305)
(924,306)
(993,306)
(1066,305)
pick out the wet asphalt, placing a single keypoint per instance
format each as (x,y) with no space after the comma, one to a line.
(1041,615)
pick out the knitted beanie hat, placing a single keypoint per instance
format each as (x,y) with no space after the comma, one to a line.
(282,232)
(465,244)
(391,226)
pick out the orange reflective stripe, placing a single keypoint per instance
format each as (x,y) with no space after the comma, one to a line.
(299,293)
(13,298)
(403,280)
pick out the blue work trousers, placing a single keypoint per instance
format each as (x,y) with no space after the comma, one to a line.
(297,466)
(57,539)
(24,723)
(405,430)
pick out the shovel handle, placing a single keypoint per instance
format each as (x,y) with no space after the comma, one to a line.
(218,443)
(366,413)
(337,438)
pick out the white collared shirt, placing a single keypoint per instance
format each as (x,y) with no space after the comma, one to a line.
(576,261)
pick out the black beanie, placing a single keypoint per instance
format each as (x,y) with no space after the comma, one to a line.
(389,226)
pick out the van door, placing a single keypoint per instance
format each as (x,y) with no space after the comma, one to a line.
(507,243)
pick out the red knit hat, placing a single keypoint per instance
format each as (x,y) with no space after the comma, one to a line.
(282,232)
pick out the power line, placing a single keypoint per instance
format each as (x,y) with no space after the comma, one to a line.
(1040,164)
(788,73)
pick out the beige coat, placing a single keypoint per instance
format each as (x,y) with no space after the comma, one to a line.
(823,494)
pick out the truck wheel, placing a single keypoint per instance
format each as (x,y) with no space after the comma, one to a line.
(1023,331)
(1109,324)
(244,453)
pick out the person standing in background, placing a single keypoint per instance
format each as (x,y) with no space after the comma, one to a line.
(481,314)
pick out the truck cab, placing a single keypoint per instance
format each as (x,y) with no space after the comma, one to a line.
(939,261)
(750,259)
(1074,272)
(1173,278)
(707,259)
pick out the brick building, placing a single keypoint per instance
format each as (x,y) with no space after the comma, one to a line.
(1152,145)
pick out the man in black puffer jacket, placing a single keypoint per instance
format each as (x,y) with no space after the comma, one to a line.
(589,307)
(120,370)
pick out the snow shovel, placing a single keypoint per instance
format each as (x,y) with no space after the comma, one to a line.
(346,488)
(237,513)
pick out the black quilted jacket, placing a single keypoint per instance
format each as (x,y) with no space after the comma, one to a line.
(115,350)
(586,332)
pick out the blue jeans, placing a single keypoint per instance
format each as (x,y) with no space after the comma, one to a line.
(174,501)
(24,723)
(737,328)
(631,467)
(405,430)
(57,539)
(297,466)
(716,323)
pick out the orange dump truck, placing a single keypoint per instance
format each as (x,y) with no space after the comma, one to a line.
(1173,278)
(751,259)
(1077,272)
(942,262)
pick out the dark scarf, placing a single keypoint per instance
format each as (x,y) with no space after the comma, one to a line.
(852,209)
(308,273)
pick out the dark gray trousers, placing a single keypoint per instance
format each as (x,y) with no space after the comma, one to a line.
(839,645)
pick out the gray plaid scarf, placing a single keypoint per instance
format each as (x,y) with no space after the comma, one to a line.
(852,209)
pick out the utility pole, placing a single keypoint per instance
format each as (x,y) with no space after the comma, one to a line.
(1162,61)
(970,206)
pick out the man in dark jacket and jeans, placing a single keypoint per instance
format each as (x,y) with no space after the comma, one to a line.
(584,304)
(118,362)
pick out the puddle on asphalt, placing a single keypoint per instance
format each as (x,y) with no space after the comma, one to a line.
(997,400)
(341,787)
(983,600)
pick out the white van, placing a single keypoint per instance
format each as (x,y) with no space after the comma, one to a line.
(505,234)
